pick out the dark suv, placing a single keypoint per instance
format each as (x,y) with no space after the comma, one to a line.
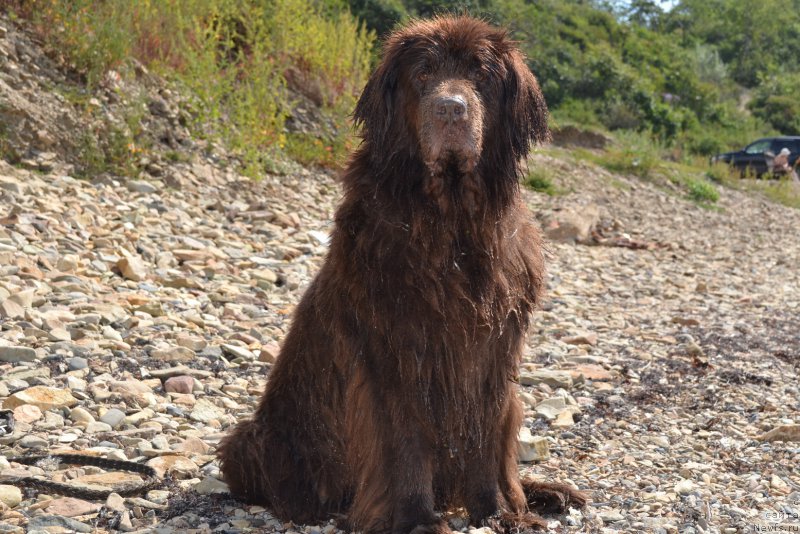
(755,157)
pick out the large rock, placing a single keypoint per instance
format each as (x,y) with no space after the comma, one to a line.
(11,496)
(179,384)
(10,309)
(556,379)
(572,136)
(552,407)
(113,480)
(132,268)
(586,338)
(177,466)
(173,354)
(782,433)
(205,411)
(71,507)
(210,485)
(27,413)
(532,448)
(43,397)
(17,354)
(574,225)
(56,523)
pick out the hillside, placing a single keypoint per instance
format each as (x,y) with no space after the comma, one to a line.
(698,76)
(693,80)
(147,281)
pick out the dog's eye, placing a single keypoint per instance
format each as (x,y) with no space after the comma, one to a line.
(479,75)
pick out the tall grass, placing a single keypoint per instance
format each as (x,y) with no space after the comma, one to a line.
(632,153)
(234,55)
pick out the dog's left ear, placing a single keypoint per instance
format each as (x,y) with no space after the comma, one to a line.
(524,108)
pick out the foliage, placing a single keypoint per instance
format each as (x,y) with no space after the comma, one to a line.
(633,153)
(540,179)
(754,38)
(702,77)
(722,173)
(114,147)
(234,55)
(777,102)
(680,75)
(702,191)
(380,15)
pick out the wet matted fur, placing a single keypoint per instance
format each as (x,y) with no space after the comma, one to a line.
(394,395)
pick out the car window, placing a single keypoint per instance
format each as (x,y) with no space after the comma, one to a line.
(759,147)
(792,144)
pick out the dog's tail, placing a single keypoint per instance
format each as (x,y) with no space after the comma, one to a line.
(552,497)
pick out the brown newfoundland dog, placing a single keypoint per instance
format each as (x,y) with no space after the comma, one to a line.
(394,395)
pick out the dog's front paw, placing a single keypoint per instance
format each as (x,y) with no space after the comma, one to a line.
(438,527)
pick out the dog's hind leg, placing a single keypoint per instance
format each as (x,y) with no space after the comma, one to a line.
(273,460)
(243,463)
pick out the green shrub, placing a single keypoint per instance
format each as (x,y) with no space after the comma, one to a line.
(784,191)
(620,115)
(702,191)
(540,179)
(781,111)
(329,153)
(112,146)
(379,15)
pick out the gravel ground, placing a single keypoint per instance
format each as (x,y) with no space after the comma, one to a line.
(139,320)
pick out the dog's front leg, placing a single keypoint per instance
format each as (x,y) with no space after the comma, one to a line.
(412,482)
(392,457)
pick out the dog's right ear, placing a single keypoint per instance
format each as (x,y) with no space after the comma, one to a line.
(525,108)
(375,111)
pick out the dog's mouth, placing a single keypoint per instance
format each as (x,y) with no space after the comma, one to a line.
(449,150)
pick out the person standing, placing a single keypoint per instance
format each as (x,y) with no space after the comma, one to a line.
(780,165)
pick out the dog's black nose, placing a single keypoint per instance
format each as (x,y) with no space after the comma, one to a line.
(451,108)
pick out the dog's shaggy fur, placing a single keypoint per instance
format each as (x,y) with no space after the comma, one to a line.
(394,395)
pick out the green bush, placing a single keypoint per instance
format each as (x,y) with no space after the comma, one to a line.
(702,191)
(540,179)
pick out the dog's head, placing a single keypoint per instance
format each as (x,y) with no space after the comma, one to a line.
(450,90)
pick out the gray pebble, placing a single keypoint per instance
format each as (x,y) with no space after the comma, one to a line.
(77,363)
(113,417)
(45,521)
(33,442)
